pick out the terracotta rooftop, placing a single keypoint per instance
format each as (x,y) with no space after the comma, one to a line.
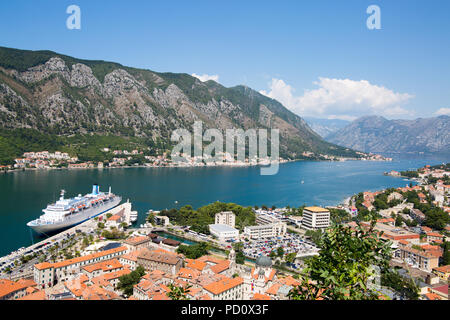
(105,266)
(195,264)
(259,296)
(38,295)
(205,297)
(289,281)
(133,255)
(273,289)
(434,234)
(221,266)
(161,257)
(43,265)
(187,273)
(114,217)
(137,240)
(445,269)
(46,265)
(223,285)
(432,296)
(8,286)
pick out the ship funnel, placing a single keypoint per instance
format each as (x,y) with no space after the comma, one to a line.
(95,189)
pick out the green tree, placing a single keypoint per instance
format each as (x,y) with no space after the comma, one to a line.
(178,293)
(405,287)
(290,257)
(193,251)
(280,252)
(127,281)
(446,254)
(344,265)
(398,221)
(315,236)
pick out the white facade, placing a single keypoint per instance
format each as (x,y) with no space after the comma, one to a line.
(162,220)
(265,230)
(227,217)
(265,219)
(224,232)
(315,218)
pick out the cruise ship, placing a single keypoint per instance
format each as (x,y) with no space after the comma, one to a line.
(66,213)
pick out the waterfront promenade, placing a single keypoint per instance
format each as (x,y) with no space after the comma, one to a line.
(42,247)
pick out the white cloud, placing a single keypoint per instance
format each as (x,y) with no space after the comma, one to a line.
(443,112)
(341,99)
(206,77)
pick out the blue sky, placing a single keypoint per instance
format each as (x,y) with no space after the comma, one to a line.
(317,57)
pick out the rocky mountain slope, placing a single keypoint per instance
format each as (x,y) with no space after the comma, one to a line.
(58,94)
(377,134)
(325,127)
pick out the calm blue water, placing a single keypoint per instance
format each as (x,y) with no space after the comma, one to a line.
(24,194)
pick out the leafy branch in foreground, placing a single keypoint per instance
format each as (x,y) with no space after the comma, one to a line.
(344,266)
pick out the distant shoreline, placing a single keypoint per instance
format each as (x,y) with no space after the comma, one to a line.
(203,166)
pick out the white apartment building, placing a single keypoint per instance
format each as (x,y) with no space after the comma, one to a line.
(315,218)
(265,219)
(226,217)
(265,230)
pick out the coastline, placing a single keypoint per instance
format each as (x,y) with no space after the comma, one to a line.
(154,201)
(190,166)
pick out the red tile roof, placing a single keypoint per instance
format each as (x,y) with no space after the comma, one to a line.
(223,285)
(259,296)
(7,286)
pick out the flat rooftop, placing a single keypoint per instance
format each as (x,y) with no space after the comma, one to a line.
(316,209)
(222,228)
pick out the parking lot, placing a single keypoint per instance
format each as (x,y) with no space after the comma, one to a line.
(289,242)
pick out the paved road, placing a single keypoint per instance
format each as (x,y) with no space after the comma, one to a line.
(85,227)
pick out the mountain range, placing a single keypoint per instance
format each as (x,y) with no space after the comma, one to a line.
(59,95)
(325,127)
(380,135)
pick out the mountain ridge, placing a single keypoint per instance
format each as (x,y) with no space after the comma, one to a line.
(62,95)
(378,134)
(325,127)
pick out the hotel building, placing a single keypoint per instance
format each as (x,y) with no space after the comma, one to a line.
(226,217)
(315,218)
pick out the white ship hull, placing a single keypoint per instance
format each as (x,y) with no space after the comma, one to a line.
(76,218)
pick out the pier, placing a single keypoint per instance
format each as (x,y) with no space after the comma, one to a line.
(88,226)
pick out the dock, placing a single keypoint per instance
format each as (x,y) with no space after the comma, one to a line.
(87,226)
